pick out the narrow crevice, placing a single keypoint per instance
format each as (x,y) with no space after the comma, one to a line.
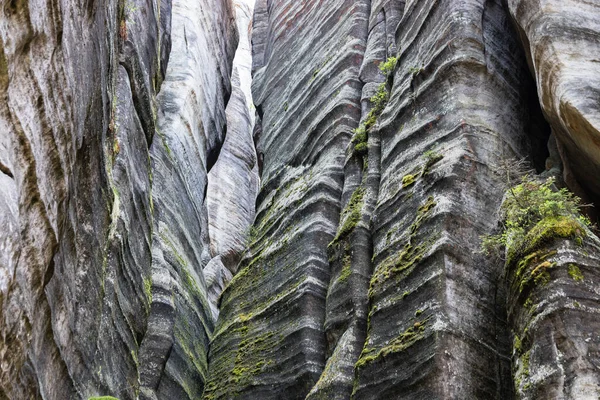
(232,171)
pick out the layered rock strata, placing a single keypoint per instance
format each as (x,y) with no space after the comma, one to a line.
(269,340)
(233,181)
(561,43)
(407,306)
(103,186)
(376,150)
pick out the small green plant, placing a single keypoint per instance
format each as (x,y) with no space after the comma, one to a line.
(361,149)
(388,66)
(379,100)
(534,204)
(414,71)
(575,273)
(431,158)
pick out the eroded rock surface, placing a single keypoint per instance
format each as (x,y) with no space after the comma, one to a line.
(406,305)
(104,226)
(233,181)
(374,148)
(561,41)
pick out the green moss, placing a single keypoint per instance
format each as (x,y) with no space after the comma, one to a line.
(575,273)
(396,345)
(346,268)
(102,398)
(408,180)
(525,363)
(517,345)
(351,214)
(361,149)
(410,255)
(431,158)
(543,232)
(534,213)
(148,288)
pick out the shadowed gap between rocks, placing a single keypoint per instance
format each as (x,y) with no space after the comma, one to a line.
(233,176)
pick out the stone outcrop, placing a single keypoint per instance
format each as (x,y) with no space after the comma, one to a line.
(215,199)
(110,113)
(561,43)
(233,181)
(406,305)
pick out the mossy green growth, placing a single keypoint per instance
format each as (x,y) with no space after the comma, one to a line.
(388,66)
(346,268)
(410,255)
(575,273)
(545,230)
(148,288)
(533,214)
(103,398)
(408,180)
(431,158)
(517,345)
(351,214)
(361,149)
(396,345)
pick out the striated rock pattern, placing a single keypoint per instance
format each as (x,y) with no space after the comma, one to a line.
(406,305)
(561,42)
(552,286)
(233,181)
(103,179)
(171,230)
(269,340)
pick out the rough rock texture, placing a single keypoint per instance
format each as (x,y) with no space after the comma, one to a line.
(269,341)
(373,151)
(102,195)
(233,181)
(552,308)
(560,38)
(406,306)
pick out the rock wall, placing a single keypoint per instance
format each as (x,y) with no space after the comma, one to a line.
(561,42)
(110,113)
(382,160)
(169,231)
(233,181)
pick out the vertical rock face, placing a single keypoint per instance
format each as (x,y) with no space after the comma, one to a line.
(168,231)
(103,186)
(436,97)
(269,341)
(561,42)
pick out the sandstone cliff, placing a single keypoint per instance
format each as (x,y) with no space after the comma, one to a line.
(169,231)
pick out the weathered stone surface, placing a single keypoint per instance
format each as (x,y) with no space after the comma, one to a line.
(269,341)
(233,181)
(431,331)
(552,308)
(561,42)
(411,309)
(131,260)
(86,307)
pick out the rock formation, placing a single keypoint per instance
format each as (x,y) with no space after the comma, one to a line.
(356,224)
(110,113)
